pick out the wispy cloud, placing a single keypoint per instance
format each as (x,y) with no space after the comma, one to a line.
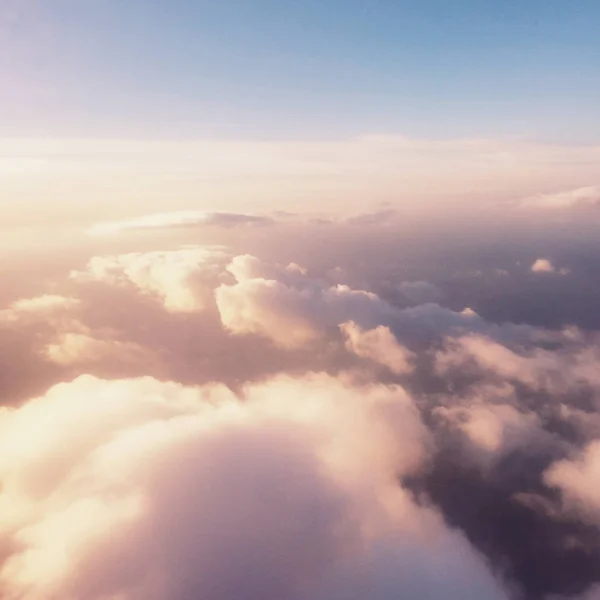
(169,220)
(578,197)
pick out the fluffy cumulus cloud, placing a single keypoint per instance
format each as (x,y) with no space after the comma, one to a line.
(208,423)
(292,309)
(163,491)
(289,307)
(378,345)
(179,278)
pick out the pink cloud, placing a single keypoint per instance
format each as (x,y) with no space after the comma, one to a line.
(163,491)
(378,345)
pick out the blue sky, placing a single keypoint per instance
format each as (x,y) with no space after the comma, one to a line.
(304,68)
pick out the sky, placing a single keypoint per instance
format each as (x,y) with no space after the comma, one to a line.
(261,69)
(317,101)
(299,300)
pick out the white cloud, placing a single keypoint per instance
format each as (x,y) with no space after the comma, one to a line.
(542,265)
(51,308)
(288,307)
(292,309)
(71,348)
(182,279)
(378,345)
(161,491)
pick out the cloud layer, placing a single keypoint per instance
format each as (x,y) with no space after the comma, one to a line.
(311,425)
(165,491)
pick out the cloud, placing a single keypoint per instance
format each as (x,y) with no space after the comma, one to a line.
(50,308)
(569,368)
(163,491)
(592,594)
(386,216)
(378,345)
(287,306)
(170,313)
(45,304)
(123,316)
(72,348)
(293,309)
(170,220)
(579,481)
(346,174)
(57,332)
(430,322)
(502,403)
(574,198)
(178,278)
(542,265)
(493,429)
(490,356)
